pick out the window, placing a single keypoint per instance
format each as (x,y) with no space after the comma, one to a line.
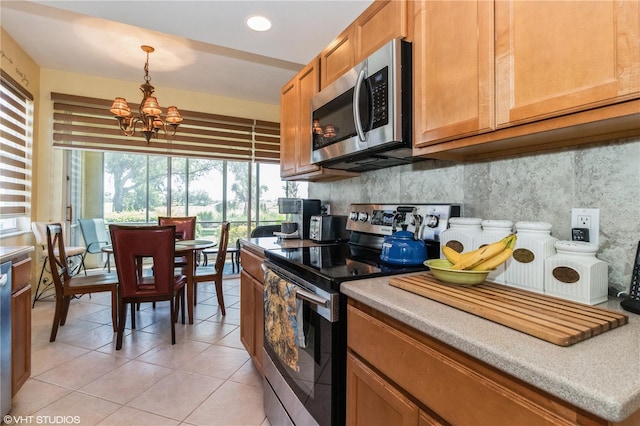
(16,133)
(216,167)
(138,188)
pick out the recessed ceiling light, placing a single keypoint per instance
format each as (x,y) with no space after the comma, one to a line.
(258,23)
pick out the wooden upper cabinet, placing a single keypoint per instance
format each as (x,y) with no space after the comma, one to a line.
(380,23)
(307,87)
(337,58)
(295,129)
(288,128)
(295,122)
(453,70)
(556,58)
(383,21)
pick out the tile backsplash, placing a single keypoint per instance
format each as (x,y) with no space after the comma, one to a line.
(537,187)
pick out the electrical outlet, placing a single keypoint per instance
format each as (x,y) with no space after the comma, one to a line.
(587,219)
(584,221)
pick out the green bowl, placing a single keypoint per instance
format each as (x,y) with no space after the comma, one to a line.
(441,269)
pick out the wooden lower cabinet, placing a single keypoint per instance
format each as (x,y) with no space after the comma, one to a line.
(371,400)
(251,306)
(20,323)
(398,375)
(246,311)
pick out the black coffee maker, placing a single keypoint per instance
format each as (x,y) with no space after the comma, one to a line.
(299,212)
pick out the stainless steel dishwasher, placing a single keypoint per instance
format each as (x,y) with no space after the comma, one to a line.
(5,338)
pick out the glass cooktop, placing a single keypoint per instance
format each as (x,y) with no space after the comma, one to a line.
(335,263)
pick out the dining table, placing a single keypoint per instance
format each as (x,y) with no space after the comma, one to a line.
(188,249)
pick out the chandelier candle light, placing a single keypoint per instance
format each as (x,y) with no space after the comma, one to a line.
(150,111)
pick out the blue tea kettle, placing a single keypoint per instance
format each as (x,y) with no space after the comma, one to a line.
(404,247)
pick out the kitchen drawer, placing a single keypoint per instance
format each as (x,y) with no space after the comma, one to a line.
(455,386)
(20,338)
(21,274)
(252,264)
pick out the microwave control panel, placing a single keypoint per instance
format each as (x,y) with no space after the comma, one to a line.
(379,83)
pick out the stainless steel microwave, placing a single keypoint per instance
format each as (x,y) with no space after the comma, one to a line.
(362,121)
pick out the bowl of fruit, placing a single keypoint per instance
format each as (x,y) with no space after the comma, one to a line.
(473,267)
(441,269)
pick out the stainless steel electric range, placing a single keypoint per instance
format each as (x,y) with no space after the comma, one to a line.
(305,314)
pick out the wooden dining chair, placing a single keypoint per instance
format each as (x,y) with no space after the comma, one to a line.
(215,275)
(156,245)
(67,286)
(75,258)
(185,226)
(185,230)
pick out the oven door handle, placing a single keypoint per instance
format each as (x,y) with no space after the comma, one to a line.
(303,294)
(311,298)
(325,304)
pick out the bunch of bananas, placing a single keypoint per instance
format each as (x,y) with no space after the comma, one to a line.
(483,259)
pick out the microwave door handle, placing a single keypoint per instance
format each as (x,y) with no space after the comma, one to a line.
(356,106)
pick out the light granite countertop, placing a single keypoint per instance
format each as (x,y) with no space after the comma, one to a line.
(10,252)
(599,374)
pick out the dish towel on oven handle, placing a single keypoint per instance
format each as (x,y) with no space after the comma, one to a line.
(282,315)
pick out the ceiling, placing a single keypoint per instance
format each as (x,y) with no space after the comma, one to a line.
(201,46)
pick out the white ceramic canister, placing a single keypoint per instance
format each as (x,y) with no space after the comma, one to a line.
(575,273)
(492,231)
(461,234)
(525,268)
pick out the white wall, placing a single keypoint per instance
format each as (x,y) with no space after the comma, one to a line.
(541,187)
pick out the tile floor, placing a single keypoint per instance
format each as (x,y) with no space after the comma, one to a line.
(206,378)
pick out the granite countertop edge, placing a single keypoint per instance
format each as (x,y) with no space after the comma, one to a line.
(580,374)
(262,244)
(9,252)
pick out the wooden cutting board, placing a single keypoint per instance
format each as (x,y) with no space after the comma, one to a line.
(555,320)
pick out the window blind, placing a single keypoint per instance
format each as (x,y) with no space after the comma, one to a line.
(16,134)
(81,122)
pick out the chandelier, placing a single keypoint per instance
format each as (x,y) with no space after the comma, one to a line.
(149,112)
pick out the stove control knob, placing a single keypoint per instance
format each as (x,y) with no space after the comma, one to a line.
(431,221)
(353,216)
(362,217)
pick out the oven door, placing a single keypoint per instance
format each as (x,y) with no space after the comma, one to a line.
(300,329)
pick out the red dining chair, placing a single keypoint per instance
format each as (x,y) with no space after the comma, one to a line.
(185,230)
(156,245)
(215,275)
(185,226)
(67,285)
